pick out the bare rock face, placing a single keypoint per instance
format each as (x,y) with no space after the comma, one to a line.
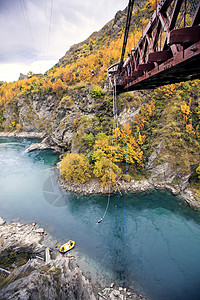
(163,173)
(2,222)
(20,235)
(22,76)
(60,279)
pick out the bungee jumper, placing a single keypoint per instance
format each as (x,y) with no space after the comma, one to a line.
(100,221)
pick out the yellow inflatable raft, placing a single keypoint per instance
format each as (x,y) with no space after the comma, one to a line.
(66,247)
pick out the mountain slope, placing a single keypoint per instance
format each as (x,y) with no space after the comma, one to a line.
(71,107)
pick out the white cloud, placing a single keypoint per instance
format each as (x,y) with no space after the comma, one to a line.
(11,71)
(25,31)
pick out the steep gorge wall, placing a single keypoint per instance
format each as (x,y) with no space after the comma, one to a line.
(65,120)
(171,155)
(32,112)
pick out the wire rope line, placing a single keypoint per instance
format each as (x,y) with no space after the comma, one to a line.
(125,192)
(111,154)
(49,31)
(45,28)
(116,114)
(109,187)
(115,106)
(108,202)
(27,21)
(128,22)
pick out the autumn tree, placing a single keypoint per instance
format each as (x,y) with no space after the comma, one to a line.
(185,109)
(107,171)
(75,167)
(127,147)
(198,171)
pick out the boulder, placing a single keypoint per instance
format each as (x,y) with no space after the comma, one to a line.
(2,222)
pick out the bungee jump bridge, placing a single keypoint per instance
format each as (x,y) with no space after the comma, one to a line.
(167,52)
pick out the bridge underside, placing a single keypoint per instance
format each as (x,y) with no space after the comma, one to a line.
(185,66)
(167,52)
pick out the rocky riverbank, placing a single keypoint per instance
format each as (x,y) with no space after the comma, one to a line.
(23,134)
(134,186)
(59,278)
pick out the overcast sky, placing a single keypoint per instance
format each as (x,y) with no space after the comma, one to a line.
(36,33)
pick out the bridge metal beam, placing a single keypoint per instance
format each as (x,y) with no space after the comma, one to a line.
(185,35)
(182,67)
(164,54)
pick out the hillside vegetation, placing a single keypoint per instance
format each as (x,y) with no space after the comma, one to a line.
(70,105)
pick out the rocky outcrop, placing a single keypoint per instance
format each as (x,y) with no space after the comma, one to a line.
(76,112)
(79,113)
(60,278)
(22,76)
(45,144)
(165,174)
(31,111)
(14,235)
(191,198)
(2,222)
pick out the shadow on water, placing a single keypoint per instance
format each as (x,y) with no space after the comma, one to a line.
(161,201)
(161,234)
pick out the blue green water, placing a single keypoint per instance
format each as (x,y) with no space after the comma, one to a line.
(161,234)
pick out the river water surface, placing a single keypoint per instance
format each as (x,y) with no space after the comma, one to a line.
(152,242)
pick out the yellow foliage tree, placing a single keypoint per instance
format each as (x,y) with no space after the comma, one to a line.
(189,128)
(75,167)
(128,149)
(107,171)
(185,109)
(198,171)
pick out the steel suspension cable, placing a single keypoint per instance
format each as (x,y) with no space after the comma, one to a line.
(45,29)
(50,22)
(128,22)
(27,20)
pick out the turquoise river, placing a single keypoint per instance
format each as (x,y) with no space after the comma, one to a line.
(156,250)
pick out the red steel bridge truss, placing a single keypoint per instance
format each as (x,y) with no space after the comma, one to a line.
(168,51)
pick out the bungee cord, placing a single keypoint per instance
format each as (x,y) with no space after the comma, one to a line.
(113,130)
(125,192)
(108,202)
